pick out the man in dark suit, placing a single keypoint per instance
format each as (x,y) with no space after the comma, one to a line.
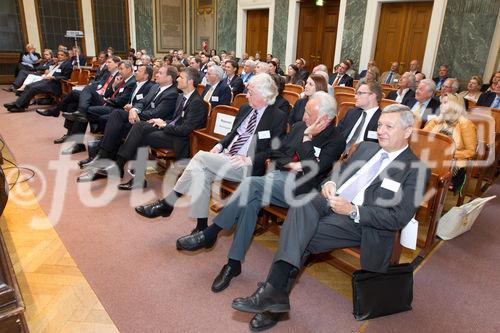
(233,79)
(159,102)
(342,79)
(190,114)
(77,59)
(204,62)
(51,83)
(443,75)
(364,203)
(424,106)
(195,62)
(102,69)
(303,74)
(491,98)
(360,124)
(241,152)
(307,153)
(216,92)
(405,91)
(248,71)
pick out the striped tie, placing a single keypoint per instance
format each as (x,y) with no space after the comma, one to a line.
(243,138)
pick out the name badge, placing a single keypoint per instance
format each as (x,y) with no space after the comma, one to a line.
(121,90)
(182,114)
(139,97)
(215,98)
(152,105)
(317,151)
(58,70)
(342,85)
(372,135)
(431,116)
(264,135)
(99,86)
(390,185)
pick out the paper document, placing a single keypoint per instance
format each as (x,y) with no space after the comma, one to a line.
(409,235)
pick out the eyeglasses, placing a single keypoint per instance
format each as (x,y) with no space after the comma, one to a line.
(363,93)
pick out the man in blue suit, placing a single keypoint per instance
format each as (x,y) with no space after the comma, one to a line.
(216,92)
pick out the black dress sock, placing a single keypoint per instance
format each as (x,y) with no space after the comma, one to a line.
(201,223)
(172,197)
(234,264)
(279,275)
(212,231)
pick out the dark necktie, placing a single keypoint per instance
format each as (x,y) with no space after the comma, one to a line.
(389,78)
(178,112)
(356,133)
(243,138)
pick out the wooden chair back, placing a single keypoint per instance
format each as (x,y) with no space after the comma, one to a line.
(239,100)
(291,97)
(201,88)
(83,78)
(355,83)
(208,106)
(294,88)
(346,90)
(75,74)
(220,118)
(386,91)
(384,102)
(344,97)
(342,111)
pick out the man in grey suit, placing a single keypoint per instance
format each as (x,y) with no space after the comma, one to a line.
(379,189)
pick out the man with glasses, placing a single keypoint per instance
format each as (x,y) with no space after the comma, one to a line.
(360,124)
(242,152)
(216,92)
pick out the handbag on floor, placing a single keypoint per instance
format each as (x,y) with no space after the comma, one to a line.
(460,219)
(380,294)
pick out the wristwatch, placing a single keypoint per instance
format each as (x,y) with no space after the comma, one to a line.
(354,213)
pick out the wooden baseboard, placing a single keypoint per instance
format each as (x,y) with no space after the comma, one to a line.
(6,79)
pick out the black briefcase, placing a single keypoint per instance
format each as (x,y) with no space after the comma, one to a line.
(381,294)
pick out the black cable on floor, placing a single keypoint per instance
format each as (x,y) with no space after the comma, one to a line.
(18,168)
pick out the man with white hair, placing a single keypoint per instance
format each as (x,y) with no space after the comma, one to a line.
(248,71)
(451,86)
(307,152)
(424,106)
(405,91)
(262,67)
(216,92)
(242,152)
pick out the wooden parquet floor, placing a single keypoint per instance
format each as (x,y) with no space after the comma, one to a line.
(56,295)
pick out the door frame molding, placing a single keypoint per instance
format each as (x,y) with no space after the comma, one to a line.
(370,33)
(241,24)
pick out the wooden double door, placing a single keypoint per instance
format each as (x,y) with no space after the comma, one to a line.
(402,33)
(317,33)
(257,29)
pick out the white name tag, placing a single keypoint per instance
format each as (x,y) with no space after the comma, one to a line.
(317,151)
(215,98)
(372,135)
(152,105)
(99,86)
(431,116)
(342,85)
(58,70)
(182,114)
(264,134)
(121,90)
(390,185)
(395,80)
(139,97)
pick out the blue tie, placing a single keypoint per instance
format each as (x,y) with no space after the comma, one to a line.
(496,103)
(389,78)
(351,191)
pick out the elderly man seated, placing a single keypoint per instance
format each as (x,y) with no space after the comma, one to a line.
(373,194)
(243,151)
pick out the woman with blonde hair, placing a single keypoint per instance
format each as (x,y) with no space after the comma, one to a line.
(452,122)
(473,89)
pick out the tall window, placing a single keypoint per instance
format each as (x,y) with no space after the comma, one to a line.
(10,29)
(55,18)
(111,25)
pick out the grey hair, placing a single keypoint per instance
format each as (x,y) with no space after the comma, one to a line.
(412,79)
(264,84)
(218,71)
(455,85)
(326,104)
(128,64)
(322,68)
(407,118)
(264,65)
(146,57)
(431,85)
(251,63)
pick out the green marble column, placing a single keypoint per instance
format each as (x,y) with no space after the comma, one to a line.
(144,25)
(354,25)
(226,24)
(280,29)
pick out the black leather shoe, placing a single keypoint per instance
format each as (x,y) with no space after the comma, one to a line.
(48,112)
(9,89)
(195,230)
(9,105)
(84,163)
(74,116)
(130,185)
(265,299)
(76,148)
(16,109)
(18,92)
(263,321)
(155,209)
(225,276)
(194,242)
(90,176)
(61,139)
